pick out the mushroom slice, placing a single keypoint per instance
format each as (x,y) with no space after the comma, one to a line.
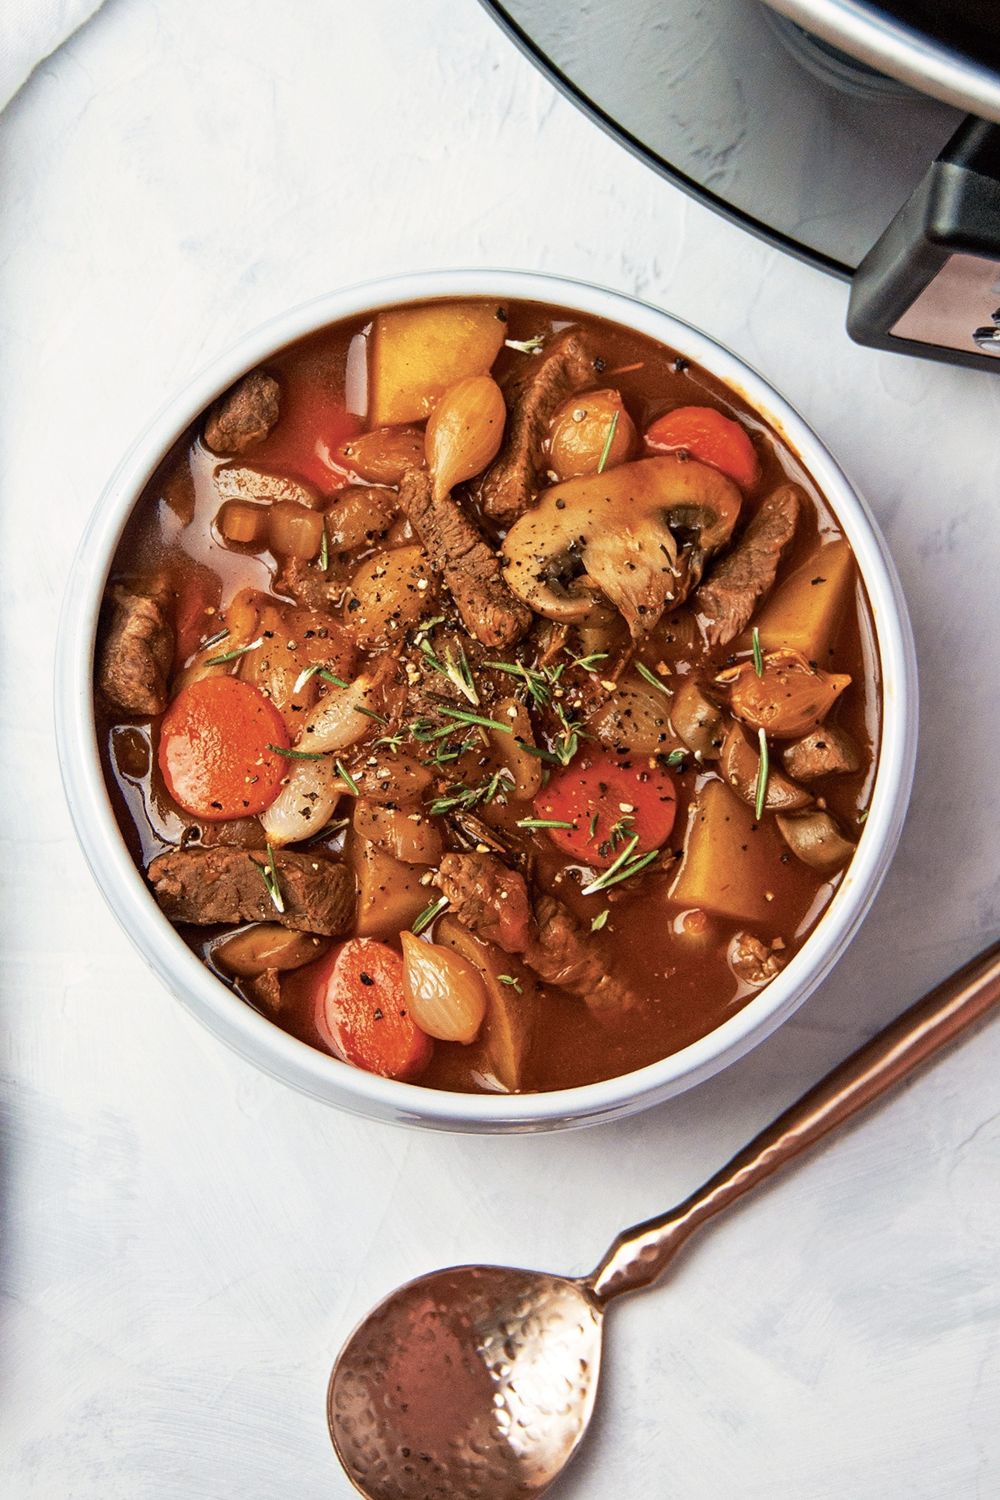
(815,838)
(740,765)
(618,529)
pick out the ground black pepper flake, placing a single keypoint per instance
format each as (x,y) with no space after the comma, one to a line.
(365,978)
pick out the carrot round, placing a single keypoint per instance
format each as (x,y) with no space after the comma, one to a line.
(214,749)
(361,1011)
(605,802)
(709,437)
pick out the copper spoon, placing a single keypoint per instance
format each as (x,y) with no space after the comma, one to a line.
(477,1383)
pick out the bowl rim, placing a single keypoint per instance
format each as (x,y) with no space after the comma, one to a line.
(252,1034)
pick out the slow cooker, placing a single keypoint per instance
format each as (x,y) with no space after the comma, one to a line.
(862,137)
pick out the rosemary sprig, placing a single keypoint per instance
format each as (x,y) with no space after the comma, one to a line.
(626,865)
(651,678)
(224,656)
(426,917)
(317,670)
(269,874)
(460,796)
(425,627)
(347,778)
(525,346)
(544,823)
(606,450)
(601,920)
(509,979)
(763,770)
(758,655)
(324,550)
(392,742)
(296,754)
(536,682)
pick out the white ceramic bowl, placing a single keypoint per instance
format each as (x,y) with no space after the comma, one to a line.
(267,1045)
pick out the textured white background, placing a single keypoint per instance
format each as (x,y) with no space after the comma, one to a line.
(183,1242)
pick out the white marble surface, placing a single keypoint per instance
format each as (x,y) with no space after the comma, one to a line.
(184,1242)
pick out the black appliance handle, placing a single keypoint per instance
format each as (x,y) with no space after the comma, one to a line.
(930,286)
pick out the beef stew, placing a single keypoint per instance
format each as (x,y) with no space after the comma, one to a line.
(489,695)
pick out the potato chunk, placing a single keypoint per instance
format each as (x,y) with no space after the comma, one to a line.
(732,863)
(390,894)
(416,353)
(803,612)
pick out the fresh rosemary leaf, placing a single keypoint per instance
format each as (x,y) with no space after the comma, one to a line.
(217,661)
(623,868)
(509,979)
(324,550)
(606,450)
(347,778)
(296,754)
(763,770)
(600,920)
(651,678)
(317,670)
(213,640)
(269,874)
(543,823)
(676,758)
(462,716)
(758,655)
(426,917)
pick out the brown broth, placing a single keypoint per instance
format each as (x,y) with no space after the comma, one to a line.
(686,984)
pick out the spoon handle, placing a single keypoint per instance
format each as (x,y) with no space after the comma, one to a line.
(641,1254)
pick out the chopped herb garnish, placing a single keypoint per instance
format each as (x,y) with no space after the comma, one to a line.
(600,920)
(758,655)
(347,779)
(863,816)
(525,346)
(462,716)
(296,754)
(593,826)
(543,823)
(217,661)
(213,640)
(317,670)
(426,627)
(763,769)
(458,673)
(606,450)
(269,873)
(676,758)
(509,979)
(589,663)
(391,741)
(460,797)
(535,681)
(426,917)
(651,678)
(324,550)
(369,713)
(626,865)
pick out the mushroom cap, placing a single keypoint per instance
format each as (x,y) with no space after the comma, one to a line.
(620,529)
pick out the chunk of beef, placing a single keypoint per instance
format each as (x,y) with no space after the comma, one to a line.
(754,961)
(307,585)
(565,365)
(468,564)
(493,902)
(566,955)
(137,653)
(244,415)
(224,885)
(265,990)
(488,898)
(822,752)
(730,593)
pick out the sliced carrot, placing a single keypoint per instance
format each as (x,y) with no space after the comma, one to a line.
(214,749)
(361,1012)
(711,438)
(606,802)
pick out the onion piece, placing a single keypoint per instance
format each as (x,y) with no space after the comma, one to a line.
(306,803)
(464,431)
(446,994)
